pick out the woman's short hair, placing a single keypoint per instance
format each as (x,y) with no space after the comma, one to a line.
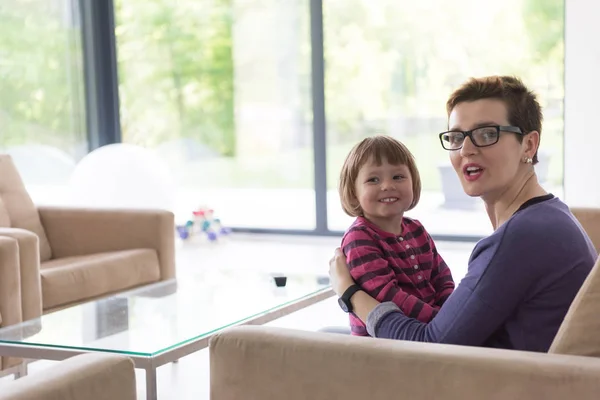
(524,110)
(376,148)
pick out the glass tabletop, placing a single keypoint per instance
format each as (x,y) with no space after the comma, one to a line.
(155,318)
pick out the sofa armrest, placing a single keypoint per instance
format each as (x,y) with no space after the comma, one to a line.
(81,231)
(271,363)
(87,376)
(29,269)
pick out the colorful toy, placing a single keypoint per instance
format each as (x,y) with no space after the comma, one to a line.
(204,224)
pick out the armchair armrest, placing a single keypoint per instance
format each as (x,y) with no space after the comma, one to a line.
(29,269)
(270,363)
(87,376)
(10,290)
(81,231)
(10,282)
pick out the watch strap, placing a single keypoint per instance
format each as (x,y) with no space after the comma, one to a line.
(347,295)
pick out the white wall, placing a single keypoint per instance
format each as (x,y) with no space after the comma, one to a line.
(582,103)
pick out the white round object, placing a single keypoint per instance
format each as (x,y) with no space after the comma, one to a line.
(42,165)
(122,176)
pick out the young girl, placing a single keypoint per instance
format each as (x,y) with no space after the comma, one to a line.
(390,257)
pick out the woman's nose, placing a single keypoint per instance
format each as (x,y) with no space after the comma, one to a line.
(468,148)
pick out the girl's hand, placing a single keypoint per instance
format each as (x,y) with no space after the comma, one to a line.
(339,273)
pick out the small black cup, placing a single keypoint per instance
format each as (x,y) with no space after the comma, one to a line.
(280,281)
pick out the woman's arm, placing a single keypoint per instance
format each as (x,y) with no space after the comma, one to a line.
(341,280)
(494,287)
(363,304)
(455,323)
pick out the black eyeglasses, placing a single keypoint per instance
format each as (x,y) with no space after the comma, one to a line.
(481,137)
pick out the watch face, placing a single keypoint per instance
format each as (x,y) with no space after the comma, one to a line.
(343,305)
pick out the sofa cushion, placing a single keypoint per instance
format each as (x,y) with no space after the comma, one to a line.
(19,206)
(74,279)
(579,332)
(4,217)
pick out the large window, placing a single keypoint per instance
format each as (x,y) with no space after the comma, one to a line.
(391,64)
(42,106)
(221,91)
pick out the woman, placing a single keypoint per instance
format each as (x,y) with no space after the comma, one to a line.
(521,279)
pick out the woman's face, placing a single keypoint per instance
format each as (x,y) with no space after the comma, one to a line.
(488,172)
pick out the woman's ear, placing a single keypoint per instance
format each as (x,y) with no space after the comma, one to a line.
(532,142)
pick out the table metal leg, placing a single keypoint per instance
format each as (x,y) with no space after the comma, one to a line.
(21,370)
(151,392)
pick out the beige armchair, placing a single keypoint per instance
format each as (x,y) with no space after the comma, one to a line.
(83,377)
(589,218)
(270,363)
(52,257)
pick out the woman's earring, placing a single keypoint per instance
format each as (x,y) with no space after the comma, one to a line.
(528,160)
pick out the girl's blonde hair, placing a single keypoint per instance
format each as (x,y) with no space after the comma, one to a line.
(375,148)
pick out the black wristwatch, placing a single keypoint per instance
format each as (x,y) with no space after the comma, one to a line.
(344,301)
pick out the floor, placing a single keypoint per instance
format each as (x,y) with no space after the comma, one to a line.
(189,378)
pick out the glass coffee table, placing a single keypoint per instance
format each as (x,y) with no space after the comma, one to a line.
(163,322)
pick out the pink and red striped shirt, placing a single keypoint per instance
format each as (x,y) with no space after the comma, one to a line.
(405,269)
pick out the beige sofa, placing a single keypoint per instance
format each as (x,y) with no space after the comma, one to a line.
(84,377)
(270,363)
(265,363)
(53,257)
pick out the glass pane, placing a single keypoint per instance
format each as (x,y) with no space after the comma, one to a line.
(221,91)
(42,104)
(181,312)
(391,64)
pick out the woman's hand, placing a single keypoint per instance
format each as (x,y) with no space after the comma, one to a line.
(339,274)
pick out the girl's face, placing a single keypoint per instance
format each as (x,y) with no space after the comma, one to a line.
(384,193)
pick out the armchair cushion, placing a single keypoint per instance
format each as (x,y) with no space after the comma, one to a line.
(73,279)
(19,206)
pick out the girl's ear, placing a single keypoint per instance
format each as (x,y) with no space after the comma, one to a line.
(357,208)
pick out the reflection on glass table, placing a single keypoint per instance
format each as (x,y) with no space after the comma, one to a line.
(153,319)
(163,322)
